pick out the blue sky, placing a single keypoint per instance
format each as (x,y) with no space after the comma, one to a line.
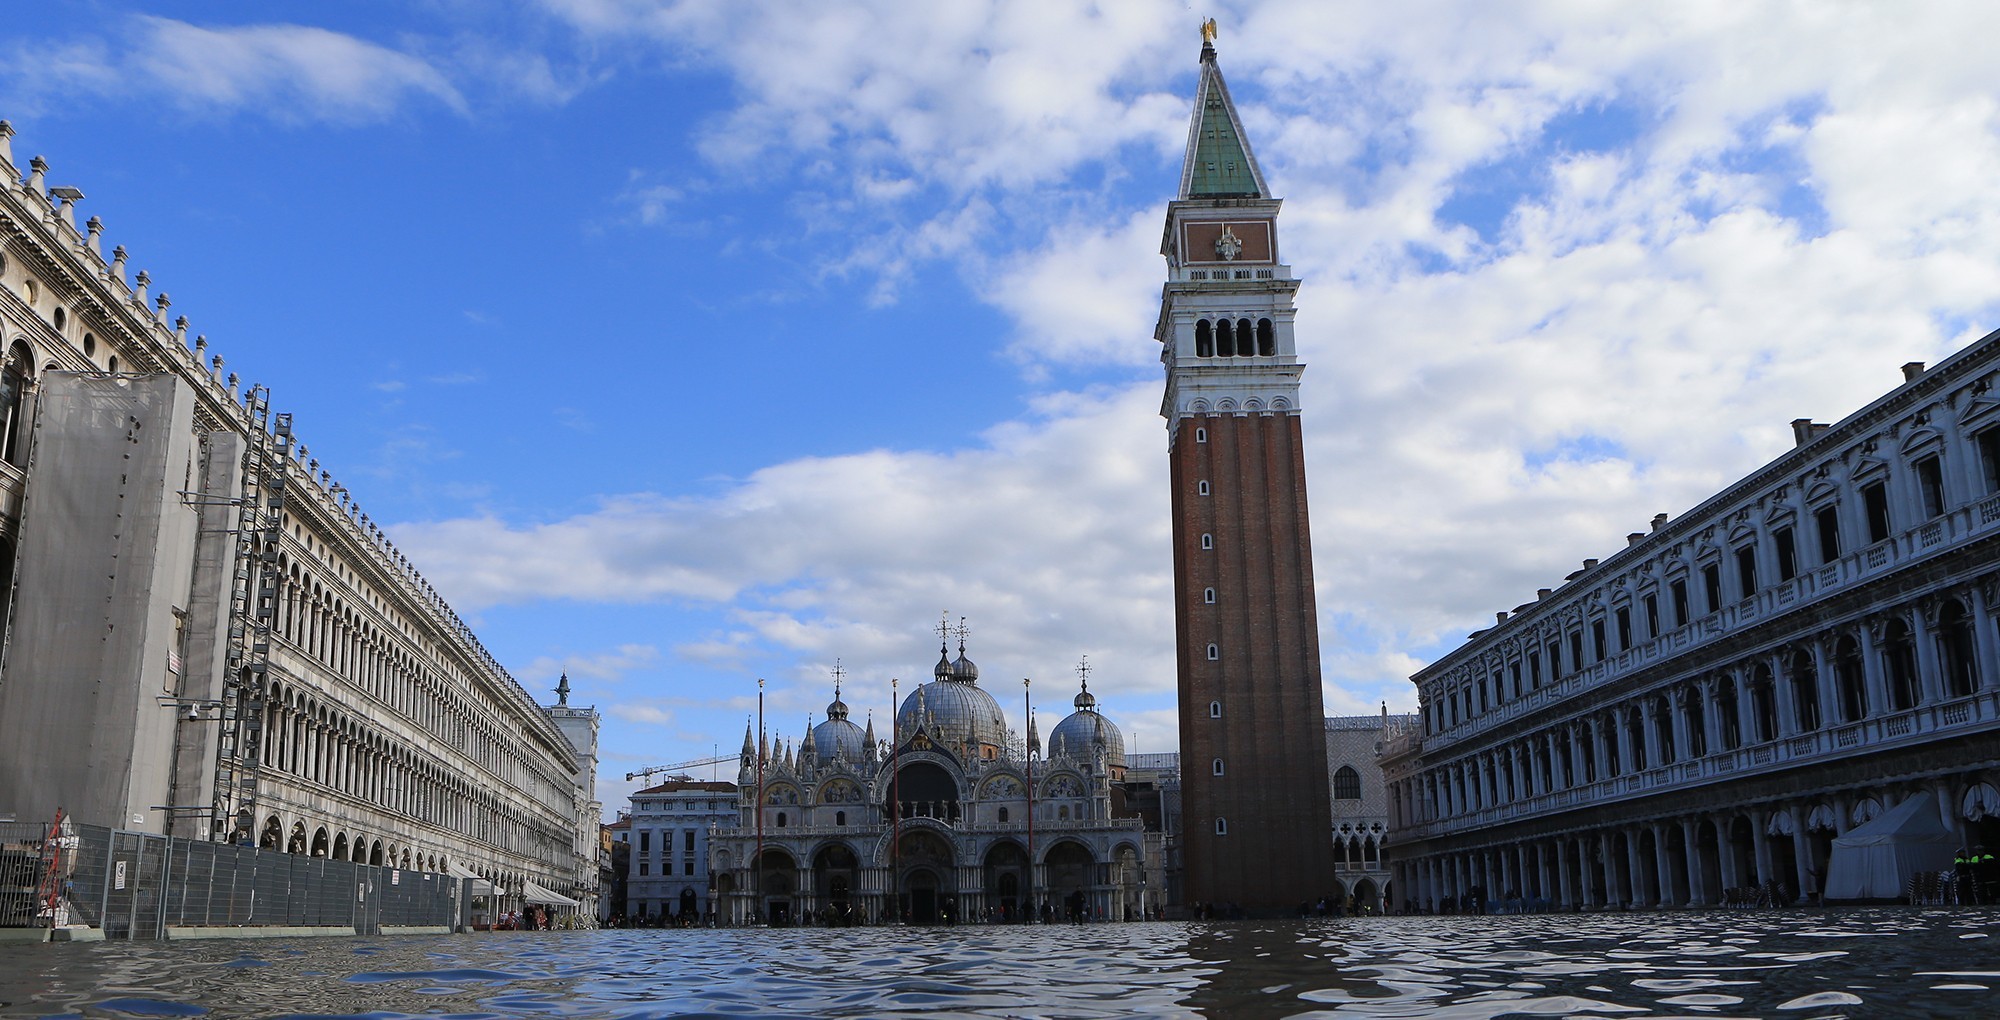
(686,343)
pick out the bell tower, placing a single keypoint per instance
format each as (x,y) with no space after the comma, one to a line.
(1256,823)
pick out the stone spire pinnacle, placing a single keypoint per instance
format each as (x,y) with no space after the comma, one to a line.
(1218,163)
(562,689)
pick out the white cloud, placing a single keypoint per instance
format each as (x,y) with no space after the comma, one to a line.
(1778,207)
(284,71)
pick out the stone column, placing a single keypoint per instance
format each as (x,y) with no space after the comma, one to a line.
(1711,714)
(1697,880)
(1987,644)
(1725,854)
(1663,868)
(1677,701)
(1565,897)
(1635,880)
(1781,692)
(1651,737)
(1930,673)
(1802,852)
(1828,687)
(1762,844)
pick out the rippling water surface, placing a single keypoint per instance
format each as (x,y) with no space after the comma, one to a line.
(1804,964)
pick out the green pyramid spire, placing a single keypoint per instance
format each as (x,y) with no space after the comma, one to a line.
(1219,164)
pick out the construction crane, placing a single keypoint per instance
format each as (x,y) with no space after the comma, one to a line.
(679,768)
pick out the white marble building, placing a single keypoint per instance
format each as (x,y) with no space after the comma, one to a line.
(1705,710)
(667,835)
(208,636)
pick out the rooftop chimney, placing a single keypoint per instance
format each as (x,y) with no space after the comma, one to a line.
(1634,538)
(1589,564)
(1542,593)
(1802,428)
(1659,521)
(1500,617)
(1911,370)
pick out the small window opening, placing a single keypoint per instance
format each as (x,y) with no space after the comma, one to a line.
(1827,523)
(1215,710)
(1930,482)
(1204,340)
(1003,815)
(1243,342)
(112,365)
(840,817)
(62,319)
(1214,653)
(1221,826)
(1746,571)
(1225,339)
(89,346)
(1788,553)
(1876,499)
(1208,595)
(1267,342)
(1215,767)
(1201,435)
(1201,488)
(1208,541)
(781,819)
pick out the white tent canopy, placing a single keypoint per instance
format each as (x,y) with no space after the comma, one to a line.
(1876,860)
(539,894)
(480,886)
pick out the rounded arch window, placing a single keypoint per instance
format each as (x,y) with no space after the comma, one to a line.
(1208,595)
(1208,541)
(1215,710)
(1003,815)
(1201,488)
(1346,783)
(1225,339)
(840,818)
(1267,340)
(781,819)
(15,377)
(1204,340)
(1221,826)
(1245,347)
(1214,653)
(1201,435)
(1215,767)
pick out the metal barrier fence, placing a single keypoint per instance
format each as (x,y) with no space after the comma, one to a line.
(135,885)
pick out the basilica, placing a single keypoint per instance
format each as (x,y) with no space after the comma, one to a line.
(943,819)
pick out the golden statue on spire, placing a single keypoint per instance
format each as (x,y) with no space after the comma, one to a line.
(1208,32)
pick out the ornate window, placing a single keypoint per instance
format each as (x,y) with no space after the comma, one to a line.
(1346,783)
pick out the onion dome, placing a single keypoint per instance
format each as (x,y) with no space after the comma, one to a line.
(1078,735)
(955,714)
(838,736)
(943,670)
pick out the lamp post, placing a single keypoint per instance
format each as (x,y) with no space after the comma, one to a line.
(757,862)
(895,806)
(1028,706)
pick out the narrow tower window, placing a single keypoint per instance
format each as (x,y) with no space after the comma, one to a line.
(1225,339)
(1267,342)
(1214,653)
(1204,340)
(1221,826)
(1208,596)
(1208,541)
(1215,767)
(1243,335)
(1215,710)
(1201,488)
(1201,435)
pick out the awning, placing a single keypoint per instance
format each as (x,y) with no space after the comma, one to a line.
(480,886)
(536,894)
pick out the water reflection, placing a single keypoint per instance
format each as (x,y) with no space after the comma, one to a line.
(1783,964)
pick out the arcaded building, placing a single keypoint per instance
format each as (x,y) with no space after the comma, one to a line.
(1247,631)
(943,819)
(1360,804)
(1706,709)
(207,636)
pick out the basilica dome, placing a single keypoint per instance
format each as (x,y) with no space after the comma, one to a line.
(1078,735)
(953,711)
(838,734)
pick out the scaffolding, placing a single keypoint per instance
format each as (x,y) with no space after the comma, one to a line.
(252,605)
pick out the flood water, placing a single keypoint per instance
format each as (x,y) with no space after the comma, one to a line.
(1793,964)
